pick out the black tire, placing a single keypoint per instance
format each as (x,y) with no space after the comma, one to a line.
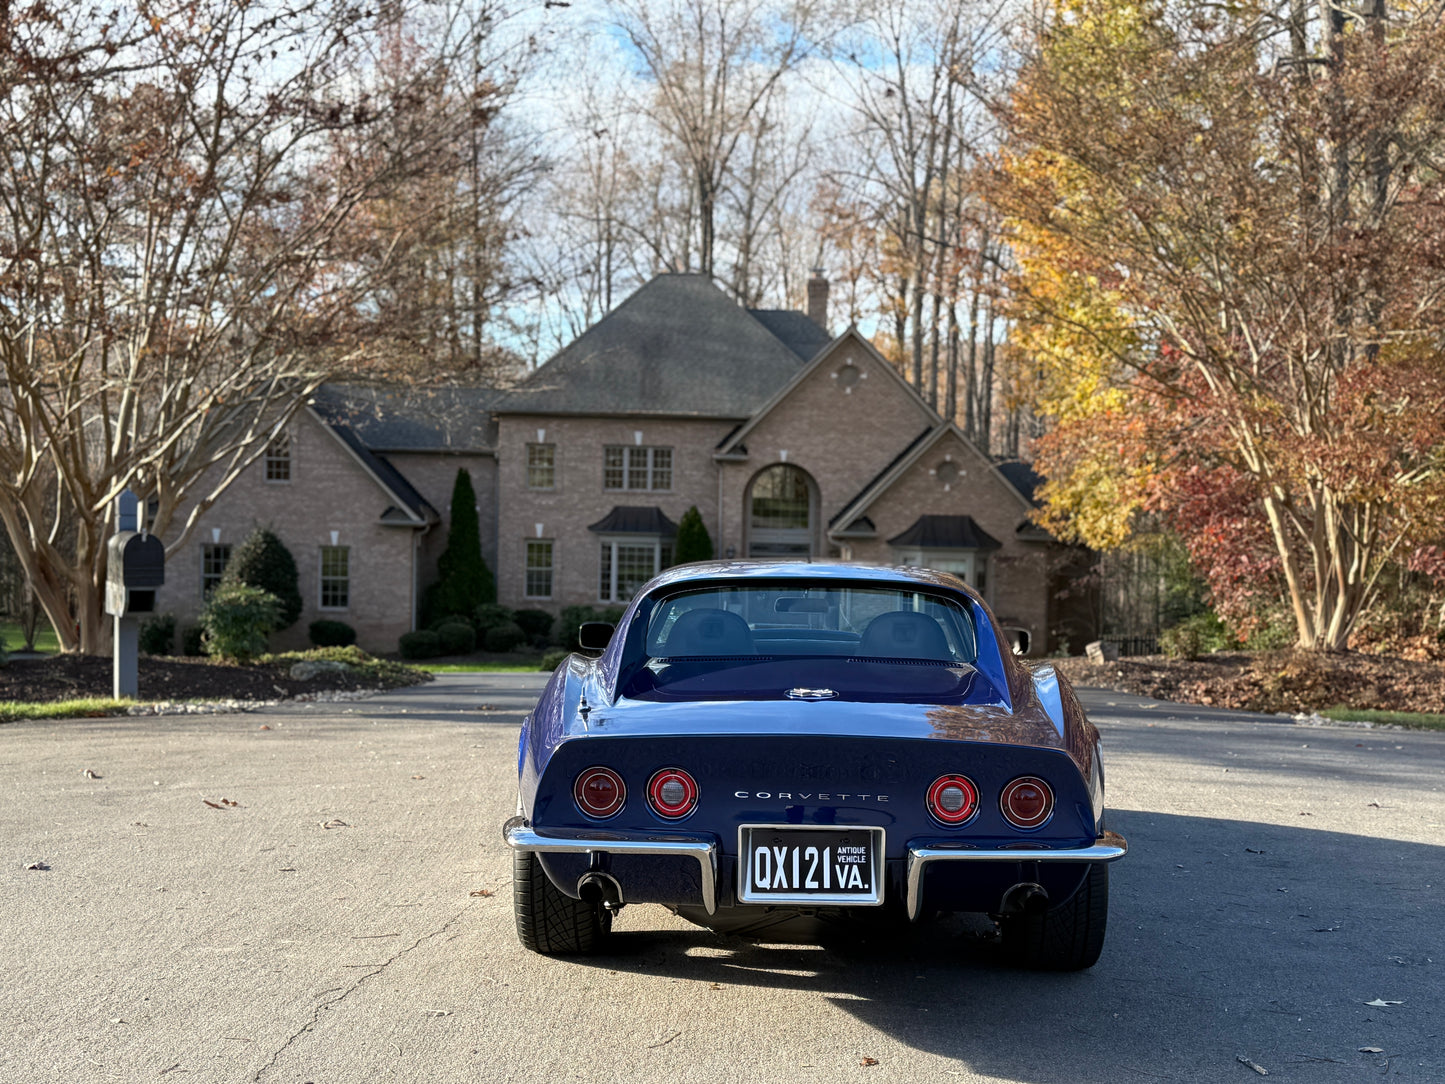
(1069,937)
(549,920)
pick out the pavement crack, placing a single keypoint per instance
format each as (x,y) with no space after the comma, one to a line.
(346,992)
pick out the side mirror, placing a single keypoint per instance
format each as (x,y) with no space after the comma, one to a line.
(595,635)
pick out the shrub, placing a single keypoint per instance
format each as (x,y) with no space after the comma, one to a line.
(693,542)
(422,644)
(537,624)
(385,672)
(192,637)
(158,634)
(502,638)
(1204,632)
(564,632)
(463,580)
(263,561)
(489,615)
(457,638)
(552,660)
(330,633)
(4,657)
(236,619)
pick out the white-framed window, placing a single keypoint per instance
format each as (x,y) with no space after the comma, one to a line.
(538,580)
(278,459)
(214,558)
(629,561)
(635,467)
(541,466)
(970,566)
(335,577)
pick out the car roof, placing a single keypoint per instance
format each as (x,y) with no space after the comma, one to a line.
(805,572)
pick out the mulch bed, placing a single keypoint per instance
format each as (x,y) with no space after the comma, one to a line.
(1274,681)
(75,677)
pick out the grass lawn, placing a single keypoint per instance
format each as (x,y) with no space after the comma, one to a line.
(44,637)
(11,710)
(1416,720)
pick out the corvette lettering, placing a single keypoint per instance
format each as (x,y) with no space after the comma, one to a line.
(799,796)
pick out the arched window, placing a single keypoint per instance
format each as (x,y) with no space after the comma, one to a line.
(780,522)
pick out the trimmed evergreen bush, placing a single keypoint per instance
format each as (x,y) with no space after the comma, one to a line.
(537,624)
(330,633)
(552,660)
(191,640)
(263,561)
(506,637)
(564,632)
(422,644)
(464,581)
(236,619)
(457,638)
(693,542)
(158,634)
(489,615)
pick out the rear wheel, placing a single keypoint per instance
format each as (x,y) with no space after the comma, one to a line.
(1066,938)
(549,920)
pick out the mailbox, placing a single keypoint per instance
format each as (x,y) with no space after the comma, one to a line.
(135,567)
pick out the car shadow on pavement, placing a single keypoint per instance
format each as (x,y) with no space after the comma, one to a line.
(1227,939)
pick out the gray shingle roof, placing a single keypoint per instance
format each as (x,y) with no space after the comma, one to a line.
(793,329)
(408,419)
(678,346)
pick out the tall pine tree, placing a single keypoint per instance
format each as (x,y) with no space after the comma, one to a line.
(464,581)
(693,541)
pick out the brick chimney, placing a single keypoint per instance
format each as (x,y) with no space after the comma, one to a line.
(818,299)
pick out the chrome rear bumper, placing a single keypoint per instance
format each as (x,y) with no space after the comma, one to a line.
(523,838)
(1110,847)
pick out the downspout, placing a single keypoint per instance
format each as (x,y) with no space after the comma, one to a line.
(416,537)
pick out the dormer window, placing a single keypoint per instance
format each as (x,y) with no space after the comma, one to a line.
(278,459)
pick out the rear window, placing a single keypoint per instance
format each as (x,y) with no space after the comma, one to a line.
(764,640)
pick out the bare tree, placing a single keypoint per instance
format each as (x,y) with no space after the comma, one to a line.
(168,295)
(716,70)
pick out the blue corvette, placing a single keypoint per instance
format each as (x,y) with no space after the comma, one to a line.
(763,740)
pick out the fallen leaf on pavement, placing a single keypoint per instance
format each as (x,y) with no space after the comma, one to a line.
(1260,1069)
(212,804)
(869,1061)
(263,726)
(37,865)
(90,773)
(338,823)
(1372,1050)
(482,892)
(1379,1004)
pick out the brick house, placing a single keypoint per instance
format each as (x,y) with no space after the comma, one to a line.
(790,443)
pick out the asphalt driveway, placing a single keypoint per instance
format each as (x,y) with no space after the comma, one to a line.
(320,893)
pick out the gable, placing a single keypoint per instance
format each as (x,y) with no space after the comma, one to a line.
(944,473)
(847,379)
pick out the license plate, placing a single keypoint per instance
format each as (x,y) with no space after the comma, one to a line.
(811,865)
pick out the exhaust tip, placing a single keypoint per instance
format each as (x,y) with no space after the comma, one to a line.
(1026,898)
(596,887)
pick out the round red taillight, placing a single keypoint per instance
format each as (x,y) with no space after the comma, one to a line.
(1027,802)
(953,799)
(600,793)
(672,793)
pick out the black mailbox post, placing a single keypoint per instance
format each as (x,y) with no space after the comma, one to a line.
(135,567)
